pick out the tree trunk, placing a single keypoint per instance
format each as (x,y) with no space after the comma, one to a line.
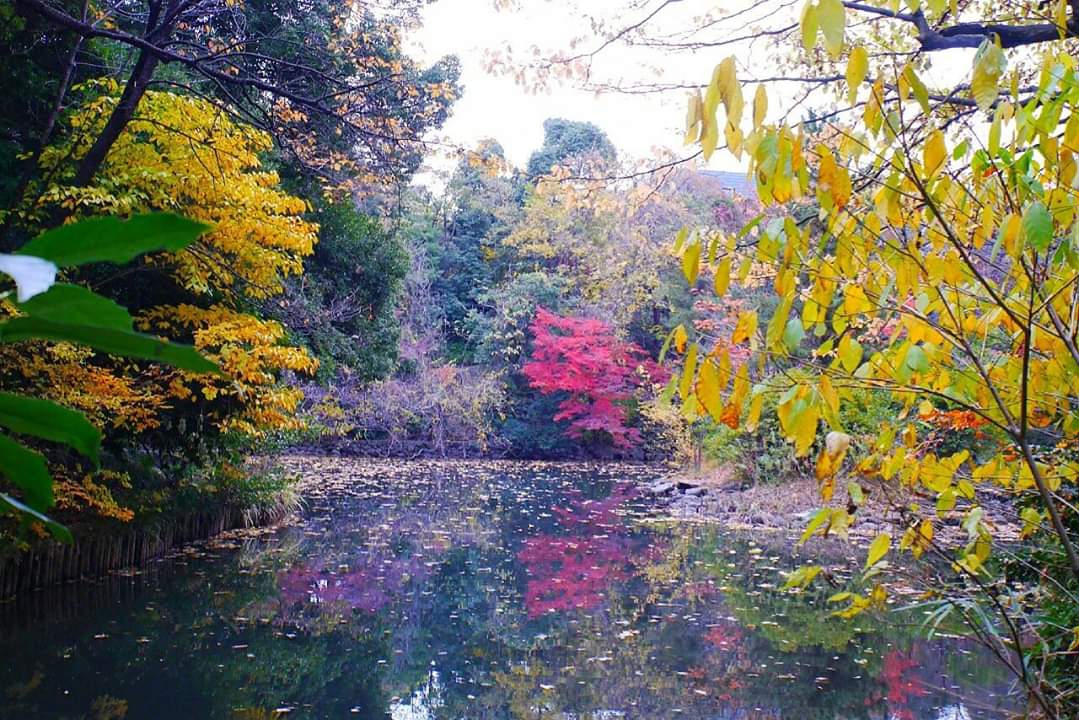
(121,116)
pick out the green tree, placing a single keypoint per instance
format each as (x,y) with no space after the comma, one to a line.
(569,140)
(345,305)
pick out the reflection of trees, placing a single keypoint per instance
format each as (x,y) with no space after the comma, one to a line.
(817,665)
(442,585)
(573,571)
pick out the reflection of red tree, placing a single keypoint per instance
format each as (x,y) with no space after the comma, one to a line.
(573,572)
(901,684)
(368,587)
(724,637)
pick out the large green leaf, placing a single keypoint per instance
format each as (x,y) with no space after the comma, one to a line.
(75,305)
(49,421)
(111,239)
(58,531)
(26,470)
(1037,226)
(115,342)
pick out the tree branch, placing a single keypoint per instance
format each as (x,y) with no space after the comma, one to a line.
(972,35)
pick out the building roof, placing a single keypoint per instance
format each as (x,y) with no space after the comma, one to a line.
(732,182)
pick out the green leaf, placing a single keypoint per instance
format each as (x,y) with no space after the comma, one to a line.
(815,524)
(946,501)
(26,470)
(1037,226)
(854,491)
(115,342)
(58,531)
(111,239)
(916,359)
(850,353)
(793,334)
(49,421)
(801,577)
(878,549)
(680,239)
(809,25)
(75,305)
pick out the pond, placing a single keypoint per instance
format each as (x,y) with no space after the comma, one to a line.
(416,591)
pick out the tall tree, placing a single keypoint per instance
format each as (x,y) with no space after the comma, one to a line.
(328,80)
(570,143)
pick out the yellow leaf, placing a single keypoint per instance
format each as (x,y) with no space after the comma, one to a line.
(833,20)
(691,263)
(760,106)
(831,397)
(680,338)
(746,327)
(805,430)
(694,116)
(878,549)
(857,69)
(810,25)
(689,370)
(830,459)
(755,407)
(934,153)
(730,91)
(708,389)
(709,135)
(989,66)
(723,276)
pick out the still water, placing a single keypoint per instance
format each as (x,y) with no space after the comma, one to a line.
(415,591)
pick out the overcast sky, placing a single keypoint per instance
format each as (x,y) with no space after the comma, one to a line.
(496,106)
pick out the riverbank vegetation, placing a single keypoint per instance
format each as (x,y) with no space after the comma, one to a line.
(884,299)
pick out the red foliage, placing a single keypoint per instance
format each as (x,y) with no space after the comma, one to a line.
(901,686)
(955,419)
(573,572)
(582,356)
(725,637)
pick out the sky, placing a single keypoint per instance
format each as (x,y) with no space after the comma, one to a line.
(496,106)
(640,126)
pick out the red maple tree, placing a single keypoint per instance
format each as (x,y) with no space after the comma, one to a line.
(582,357)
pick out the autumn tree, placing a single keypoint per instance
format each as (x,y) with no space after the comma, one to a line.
(600,373)
(182,154)
(327,80)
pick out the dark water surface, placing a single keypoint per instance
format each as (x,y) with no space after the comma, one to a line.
(416,591)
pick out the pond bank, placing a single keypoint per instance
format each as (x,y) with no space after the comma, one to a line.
(786,508)
(97,555)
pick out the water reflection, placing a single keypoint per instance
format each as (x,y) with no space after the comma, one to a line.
(478,590)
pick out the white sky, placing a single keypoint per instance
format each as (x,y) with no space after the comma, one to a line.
(496,106)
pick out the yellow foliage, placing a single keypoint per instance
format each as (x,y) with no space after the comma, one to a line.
(183,154)
(250,352)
